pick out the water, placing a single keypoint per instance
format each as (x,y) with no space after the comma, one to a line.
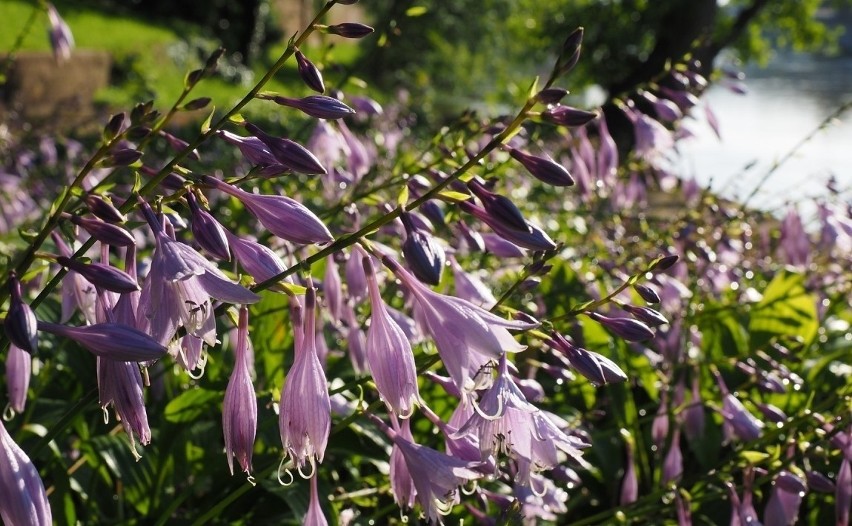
(785,103)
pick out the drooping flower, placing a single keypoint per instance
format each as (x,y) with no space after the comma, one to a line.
(103,231)
(333,289)
(260,261)
(389,355)
(543,168)
(20,324)
(471,288)
(284,217)
(180,289)
(239,411)
(120,384)
(110,340)
(402,486)
(786,498)
(314,516)
(738,421)
(459,327)
(304,419)
(22,496)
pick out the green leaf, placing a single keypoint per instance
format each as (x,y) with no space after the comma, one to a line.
(453,197)
(205,126)
(402,199)
(533,90)
(417,10)
(787,309)
(191,405)
(754,457)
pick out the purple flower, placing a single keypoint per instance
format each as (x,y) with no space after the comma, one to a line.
(19,365)
(252,149)
(402,486)
(424,255)
(673,463)
(785,500)
(22,494)
(120,384)
(180,289)
(597,368)
(693,414)
(646,315)
(629,483)
(284,217)
(532,237)
(61,39)
(21,323)
(305,410)
(101,275)
(288,153)
(389,355)
(843,493)
(110,340)
(350,30)
(260,261)
(356,280)
(568,116)
(737,420)
(104,232)
(309,72)
(471,288)
(239,411)
(436,476)
(319,106)
(333,289)
(459,327)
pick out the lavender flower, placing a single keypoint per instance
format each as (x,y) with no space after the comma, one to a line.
(673,462)
(61,39)
(305,413)
(402,485)
(350,30)
(21,323)
(737,420)
(260,261)
(120,384)
(253,149)
(208,232)
(646,315)
(104,209)
(629,483)
(101,275)
(333,289)
(22,494)
(314,516)
(532,237)
(180,289)
(843,493)
(19,365)
(629,329)
(597,368)
(284,217)
(424,255)
(356,280)
(543,168)
(239,411)
(786,498)
(389,355)
(471,288)
(459,327)
(568,116)
(104,232)
(319,106)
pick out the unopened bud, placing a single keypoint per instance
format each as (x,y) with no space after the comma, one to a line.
(424,255)
(551,95)
(103,276)
(568,116)
(21,323)
(647,293)
(104,232)
(626,328)
(104,209)
(350,30)
(310,73)
(543,169)
(208,233)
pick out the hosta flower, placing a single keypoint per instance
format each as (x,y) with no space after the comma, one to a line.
(543,168)
(20,324)
(207,231)
(471,288)
(319,106)
(288,153)
(531,237)
(786,498)
(22,496)
(737,419)
(180,289)
(459,327)
(239,411)
(333,289)
(310,74)
(314,516)
(101,275)
(260,261)
(424,255)
(120,384)
(304,419)
(626,328)
(436,476)
(284,217)
(103,231)
(389,355)
(253,149)
(402,486)
(110,340)
(597,368)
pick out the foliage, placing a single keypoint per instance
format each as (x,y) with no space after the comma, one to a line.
(757,313)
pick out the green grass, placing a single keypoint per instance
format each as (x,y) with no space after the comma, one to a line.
(141,50)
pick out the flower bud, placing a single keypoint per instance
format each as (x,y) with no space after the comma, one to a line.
(197,104)
(568,116)
(21,323)
(664,263)
(424,255)
(113,127)
(122,157)
(626,328)
(647,293)
(172,180)
(543,169)
(551,95)
(104,209)
(178,145)
(597,368)
(646,315)
(570,52)
(319,106)
(18,372)
(500,207)
(350,30)
(110,340)
(310,73)
(101,275)
(208,233)
(290,154)
(819,482)
(104,232)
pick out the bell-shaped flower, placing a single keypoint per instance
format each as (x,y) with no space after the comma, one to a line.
(459,327)
(304,419)
(738,421)
(673,461)
(239,411)
(284,217)
(402,485)
(389,355)
(436,476)
(471,288)
(19,365)
(629,491)
(843,492)
(333,289)
(22,496)
(356,280)
(120,384)
(784,501)
(180,289)
(20,325)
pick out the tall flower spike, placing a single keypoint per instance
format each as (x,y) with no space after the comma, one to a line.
(284,217)
(21,323)
(304,419)
(389,355)
(459,327)
(239,411)
(22,496)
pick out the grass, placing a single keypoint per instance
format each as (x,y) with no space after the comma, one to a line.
(147,56)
